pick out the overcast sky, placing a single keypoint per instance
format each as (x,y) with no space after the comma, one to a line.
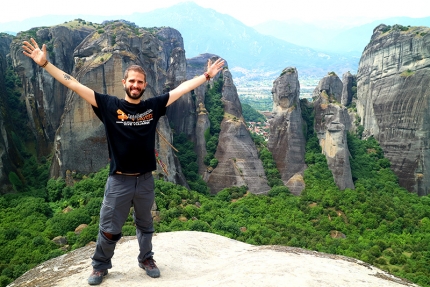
(250,12)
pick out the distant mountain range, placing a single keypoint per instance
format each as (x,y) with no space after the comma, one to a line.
(261,53)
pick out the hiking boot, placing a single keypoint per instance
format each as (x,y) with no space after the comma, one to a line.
(97,277)
(151,269)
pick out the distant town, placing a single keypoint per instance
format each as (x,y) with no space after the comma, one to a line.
(260,128)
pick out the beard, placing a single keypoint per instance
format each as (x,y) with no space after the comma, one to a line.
(134,97)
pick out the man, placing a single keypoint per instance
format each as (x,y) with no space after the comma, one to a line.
(130,126)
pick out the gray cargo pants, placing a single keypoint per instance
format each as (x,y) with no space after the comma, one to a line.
(121,192)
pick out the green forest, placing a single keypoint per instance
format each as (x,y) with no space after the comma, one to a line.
(378,222)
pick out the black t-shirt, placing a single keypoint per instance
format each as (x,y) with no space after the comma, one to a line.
(130,131)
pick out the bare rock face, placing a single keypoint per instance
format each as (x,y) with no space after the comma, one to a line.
(332,85)
(348,81)
(5,41)
(182,114)
(45,98)
(6,146)
(331,125)
(286,139)
(197,65)
(393,98)
(238,162)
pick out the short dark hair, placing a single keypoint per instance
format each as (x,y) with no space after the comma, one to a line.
(135,68)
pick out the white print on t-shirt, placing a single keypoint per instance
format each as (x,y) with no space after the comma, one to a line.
(135,120)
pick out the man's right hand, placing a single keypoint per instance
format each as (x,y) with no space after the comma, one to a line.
(33,51)
(38,55)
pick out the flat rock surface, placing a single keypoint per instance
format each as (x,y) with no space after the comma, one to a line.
(189,258)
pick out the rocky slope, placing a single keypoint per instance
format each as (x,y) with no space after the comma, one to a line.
(332,123)
(286,139)
(189,258)
(393,98)
(238,162)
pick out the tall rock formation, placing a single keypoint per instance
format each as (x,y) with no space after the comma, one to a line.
(45,98)
(349,81)
(393,98)
(197,66)
(332,123)
(286,140)
(238,162)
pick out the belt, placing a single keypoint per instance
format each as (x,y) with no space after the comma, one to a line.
(130,174)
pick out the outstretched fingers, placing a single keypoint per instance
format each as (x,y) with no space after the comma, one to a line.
(219,63)
(31,49)
(27,48)
(215,67)
(34,43)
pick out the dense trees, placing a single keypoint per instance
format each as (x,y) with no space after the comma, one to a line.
(272,173)
(188,159)
(379,222)
(252,115)
(215,108)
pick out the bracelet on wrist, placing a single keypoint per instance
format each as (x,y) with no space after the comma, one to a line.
(207,76)
(44,65)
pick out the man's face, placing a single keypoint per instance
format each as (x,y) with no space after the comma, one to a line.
(134,85)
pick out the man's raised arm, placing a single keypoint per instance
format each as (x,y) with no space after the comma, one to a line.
(189,85)
(38,55)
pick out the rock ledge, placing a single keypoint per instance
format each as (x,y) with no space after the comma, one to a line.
(189,258)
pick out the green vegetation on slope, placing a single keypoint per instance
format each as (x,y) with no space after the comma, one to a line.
(260,104)
(188,159)
(272,173)
(252,115)
(215,108)
(378,222)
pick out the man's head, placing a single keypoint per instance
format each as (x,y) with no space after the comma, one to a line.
(134,82)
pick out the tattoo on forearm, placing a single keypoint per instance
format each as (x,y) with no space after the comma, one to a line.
(67,77)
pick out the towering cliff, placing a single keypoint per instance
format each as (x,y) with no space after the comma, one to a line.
(6,147)
(238,162)
(332,123)
(393,98)
(182,115)
(286,139)
(45,98)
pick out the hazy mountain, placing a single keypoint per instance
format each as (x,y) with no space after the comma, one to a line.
(205,30)
(337,40)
